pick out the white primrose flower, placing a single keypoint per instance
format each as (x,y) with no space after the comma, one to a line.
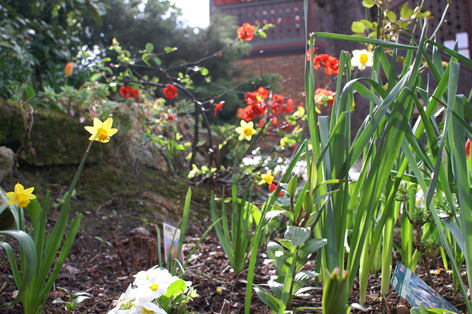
(125,301)
(362,59)
(147,287)
(147,308)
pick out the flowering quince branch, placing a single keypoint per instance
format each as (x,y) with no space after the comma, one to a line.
(199,62)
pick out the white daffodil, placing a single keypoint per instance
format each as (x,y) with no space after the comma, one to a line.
(362,59)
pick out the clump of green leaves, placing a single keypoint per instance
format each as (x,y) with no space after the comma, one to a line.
(388,25)
(74,299)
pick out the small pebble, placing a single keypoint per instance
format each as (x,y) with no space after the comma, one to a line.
(403,310)
(140,231)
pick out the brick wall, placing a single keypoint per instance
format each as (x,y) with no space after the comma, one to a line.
(290,66)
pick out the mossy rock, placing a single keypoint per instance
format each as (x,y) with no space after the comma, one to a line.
(59,139)
(12,123)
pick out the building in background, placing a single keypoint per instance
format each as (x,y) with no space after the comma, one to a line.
(283,51)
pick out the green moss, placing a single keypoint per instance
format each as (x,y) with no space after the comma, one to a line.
(103,181)
(12,123)
(58,139)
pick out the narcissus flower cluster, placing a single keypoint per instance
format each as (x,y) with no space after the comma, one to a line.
(246,32)
(267,178)
(362,59)
(20,196)
(127,92)
(101,132)
(143,295)
(246,130)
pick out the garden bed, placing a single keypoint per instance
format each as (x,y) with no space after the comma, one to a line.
(105,272)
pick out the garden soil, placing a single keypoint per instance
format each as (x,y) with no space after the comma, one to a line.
(115,198)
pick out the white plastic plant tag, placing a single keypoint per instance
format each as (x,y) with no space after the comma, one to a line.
(171,243)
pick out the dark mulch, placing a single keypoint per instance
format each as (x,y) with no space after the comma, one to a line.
(105,272)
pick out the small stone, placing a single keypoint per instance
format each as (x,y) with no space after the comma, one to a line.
(71,270)
(403,310)
(7,163)
(140,231)
(459,298)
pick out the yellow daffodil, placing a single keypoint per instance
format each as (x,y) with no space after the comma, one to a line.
(267,178)
(246,130)
(362,59)
(101,132)
(20,196)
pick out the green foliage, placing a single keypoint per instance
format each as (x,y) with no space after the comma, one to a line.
(237,241)
(39,252)
(390,150)
(387,27)
(74,299)
(424,310)
(336,292)
(41,35)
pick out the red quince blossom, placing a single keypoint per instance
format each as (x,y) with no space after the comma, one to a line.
(170,118)
(273,187)
(308,54)
(170,91)
(247,113)
(322,95)
(250,98)
(286,126)
(289,106)
(246,32)
(467,148)
(330,63)
(263,93)
(128,92)
(277,103)
(261,123)
(219,106)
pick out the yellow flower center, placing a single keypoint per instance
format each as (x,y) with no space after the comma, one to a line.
(23,201)
(363,58)
(154,287)
(248,132)
(146,311)
(102,135)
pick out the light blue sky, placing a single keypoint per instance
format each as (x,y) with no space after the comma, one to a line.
(195,12)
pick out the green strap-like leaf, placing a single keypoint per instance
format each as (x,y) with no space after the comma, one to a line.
(28,268)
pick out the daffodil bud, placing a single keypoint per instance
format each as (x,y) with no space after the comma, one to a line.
(69,68)
(292,185)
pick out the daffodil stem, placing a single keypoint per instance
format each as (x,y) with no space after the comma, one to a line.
(88,148)
(77,174)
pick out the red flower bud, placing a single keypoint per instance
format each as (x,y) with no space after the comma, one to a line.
(467,148)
